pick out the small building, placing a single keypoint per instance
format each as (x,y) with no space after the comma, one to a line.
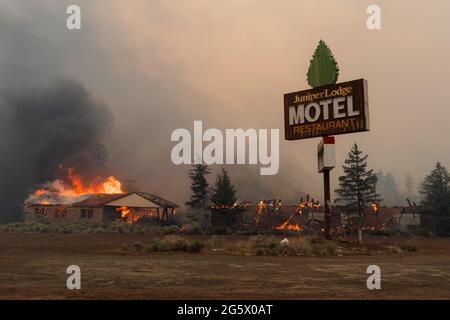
(96,208)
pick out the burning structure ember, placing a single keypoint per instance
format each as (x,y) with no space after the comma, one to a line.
(73,197)
(292,223)
(374,207)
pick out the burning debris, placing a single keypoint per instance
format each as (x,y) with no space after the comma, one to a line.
(374,207)
(292,222)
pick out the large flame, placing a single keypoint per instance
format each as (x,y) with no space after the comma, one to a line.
(74,185)
(127,215)
(110,185)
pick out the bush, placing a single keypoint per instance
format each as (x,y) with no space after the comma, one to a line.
(260,251)
(330,247)
(195,246)
(180,245)
(137,246)
(170,229)
(160,246)
(41,219)
(175,243)
(192,229)
(124,247)
(301,246)
(215,242)
(318,250)
(411,245)
(324,249)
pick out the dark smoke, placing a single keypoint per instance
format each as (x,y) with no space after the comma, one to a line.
(41,128)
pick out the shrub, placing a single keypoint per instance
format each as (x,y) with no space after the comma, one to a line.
(318,249)
(330,247)
(215,242)
(39,218)
(192,229)
(180,245)
(159,246)
(137,246)
(195,246)
(170,229)
(260,251)
(124,247)
(411,245)
(301,246)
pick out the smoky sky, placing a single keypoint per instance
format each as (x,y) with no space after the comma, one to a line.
(42,128)
(160,65)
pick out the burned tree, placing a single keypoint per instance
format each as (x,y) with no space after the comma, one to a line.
(357,187)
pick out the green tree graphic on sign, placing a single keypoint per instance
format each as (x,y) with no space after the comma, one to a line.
(323,68)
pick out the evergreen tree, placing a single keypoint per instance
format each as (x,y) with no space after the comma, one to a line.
(391,193)
(436,191)
(387,187)
(199,186)
(357,187)
(409,188)
(224,193)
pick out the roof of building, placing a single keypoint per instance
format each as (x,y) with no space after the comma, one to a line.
(158,200)
(99,200)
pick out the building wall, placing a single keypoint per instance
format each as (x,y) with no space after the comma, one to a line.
(63,214)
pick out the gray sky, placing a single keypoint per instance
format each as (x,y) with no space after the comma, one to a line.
(159,65)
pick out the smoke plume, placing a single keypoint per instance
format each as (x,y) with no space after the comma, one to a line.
(41,128)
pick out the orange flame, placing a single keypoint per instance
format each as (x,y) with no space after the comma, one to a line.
(127,215)
(74,185)
(374,207)
(109,185)
(287,225)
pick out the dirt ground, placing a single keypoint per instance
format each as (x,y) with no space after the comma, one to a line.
(33,266)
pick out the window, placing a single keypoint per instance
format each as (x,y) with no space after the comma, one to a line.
(87,213)
(42,211)
(60,212)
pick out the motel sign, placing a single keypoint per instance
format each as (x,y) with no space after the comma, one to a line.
(327,110)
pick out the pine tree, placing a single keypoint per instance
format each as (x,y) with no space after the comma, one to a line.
(323,68)
(224,192)
(357,187)
(436,191)
(409,188)
(391,193)
(199,186)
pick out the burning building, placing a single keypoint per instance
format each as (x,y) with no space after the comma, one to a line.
(74,198)
(96,208)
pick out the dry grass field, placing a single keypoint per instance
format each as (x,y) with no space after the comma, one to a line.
(32,266)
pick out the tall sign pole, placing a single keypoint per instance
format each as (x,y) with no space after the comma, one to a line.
(326,158)
(323,70)
(328,109)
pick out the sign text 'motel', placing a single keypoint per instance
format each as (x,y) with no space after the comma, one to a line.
(327,110)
